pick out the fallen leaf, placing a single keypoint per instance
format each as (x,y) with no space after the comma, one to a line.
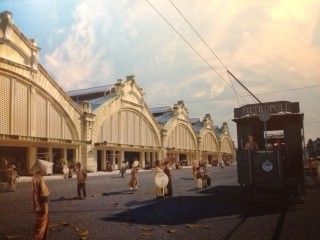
(84,232)
(64,223)
(164,225)
(173,230)
(192,225)
(56,229)
(147,233)
(13,236)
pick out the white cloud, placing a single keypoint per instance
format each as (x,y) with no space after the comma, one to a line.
(271,45)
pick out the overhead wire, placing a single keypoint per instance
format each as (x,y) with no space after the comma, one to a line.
(201,38)
(188,43)
(232,87)
(247,95)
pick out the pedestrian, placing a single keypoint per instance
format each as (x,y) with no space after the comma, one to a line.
(81,181)
(160,191)
(40,195)
(222,164)
(194,168)
(167,171)
(199,177)
(65,169)
(12,178)
(134,181)
(123,169)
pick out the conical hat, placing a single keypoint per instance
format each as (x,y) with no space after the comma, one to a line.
(40,165)
(135,164)
(161,180)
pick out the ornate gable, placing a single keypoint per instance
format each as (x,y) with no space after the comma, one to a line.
(180,111)
(14,46)
(129,91)
(207,121)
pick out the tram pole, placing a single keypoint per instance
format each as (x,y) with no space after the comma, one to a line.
(244,86)
(264,115)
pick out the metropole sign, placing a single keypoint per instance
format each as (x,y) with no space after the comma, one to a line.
(270,107)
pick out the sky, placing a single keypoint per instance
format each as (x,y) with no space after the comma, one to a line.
(182,49)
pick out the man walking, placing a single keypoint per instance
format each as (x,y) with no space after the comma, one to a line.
(40,195)
(81,180)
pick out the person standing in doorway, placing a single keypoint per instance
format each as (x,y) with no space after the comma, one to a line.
(81,181)
(251,144)
(40,195)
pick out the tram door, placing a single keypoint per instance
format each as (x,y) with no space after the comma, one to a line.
(243,166)
(293,140)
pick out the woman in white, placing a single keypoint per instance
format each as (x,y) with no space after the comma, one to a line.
(160,191)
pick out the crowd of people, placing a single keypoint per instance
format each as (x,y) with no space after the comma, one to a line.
(40,191)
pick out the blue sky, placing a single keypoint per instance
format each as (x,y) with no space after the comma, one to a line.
(273,47)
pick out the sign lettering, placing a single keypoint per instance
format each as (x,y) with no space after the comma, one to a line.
(270,107)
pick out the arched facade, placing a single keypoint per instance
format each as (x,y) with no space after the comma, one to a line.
(226,152)
(124,129)
(178,137)
(38,119)
(207,140)
(102,127)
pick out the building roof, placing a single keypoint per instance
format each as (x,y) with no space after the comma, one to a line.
(197,126)
(97,102)
(160,110)
(217,130)
(164,118)
(87,94)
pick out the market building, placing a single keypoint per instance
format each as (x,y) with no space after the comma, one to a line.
(101,127)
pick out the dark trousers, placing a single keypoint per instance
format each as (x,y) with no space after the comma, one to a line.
(82,187)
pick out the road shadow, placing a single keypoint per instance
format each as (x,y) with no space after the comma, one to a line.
(117,193)
(212,202)
(62,198)
(183,178)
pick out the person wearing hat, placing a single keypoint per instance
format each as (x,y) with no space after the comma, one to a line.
(40,195)
(167,171)
(160,191)
(251,145)
(134,181)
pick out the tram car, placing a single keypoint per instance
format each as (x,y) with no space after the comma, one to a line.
(271,164)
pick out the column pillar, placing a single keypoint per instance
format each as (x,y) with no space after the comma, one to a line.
(142,159)
(121,156)
(103,160)
(31,158)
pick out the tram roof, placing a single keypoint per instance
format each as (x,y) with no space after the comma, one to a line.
(273,115)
